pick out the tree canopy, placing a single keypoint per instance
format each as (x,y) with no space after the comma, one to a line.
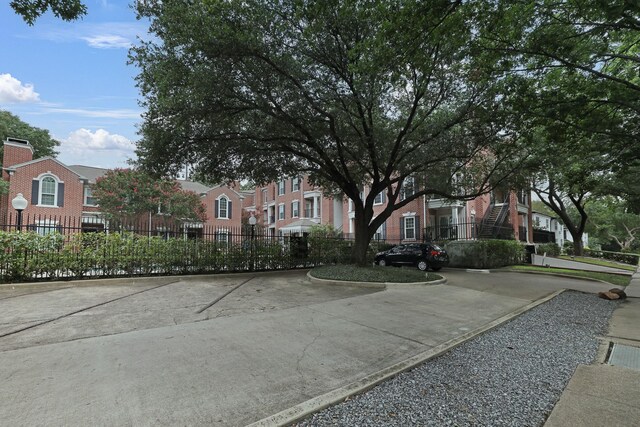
(67,10)
(575,65)
(349,93)
(12,127)
(125,194)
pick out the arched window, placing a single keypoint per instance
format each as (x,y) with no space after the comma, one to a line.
(223,207)
(48,191)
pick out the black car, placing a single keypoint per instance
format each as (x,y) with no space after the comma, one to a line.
(422,255)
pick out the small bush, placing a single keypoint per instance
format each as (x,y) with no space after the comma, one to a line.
(623,257)
(551,249)
(485,253)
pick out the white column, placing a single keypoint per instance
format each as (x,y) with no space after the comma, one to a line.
(316,207)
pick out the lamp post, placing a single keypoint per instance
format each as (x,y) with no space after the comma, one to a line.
(252,223)
(19,203)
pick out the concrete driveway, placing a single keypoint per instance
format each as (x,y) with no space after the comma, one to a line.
(222,350)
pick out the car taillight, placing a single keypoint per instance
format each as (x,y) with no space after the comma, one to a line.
(435,253)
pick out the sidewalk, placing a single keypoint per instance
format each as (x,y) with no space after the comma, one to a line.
(608,392)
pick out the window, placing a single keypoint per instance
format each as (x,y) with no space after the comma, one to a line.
(89,200)
(295,209)
(295,184)
(264,195)
(408,188)
(281,188)
(280,211)
(48,187)
(46,227)
(410,227)
(222,236)
(223,208)
(381,232)
(379,198)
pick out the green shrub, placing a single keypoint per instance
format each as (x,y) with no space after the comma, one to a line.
(551,249)
(623,257)
(485,253)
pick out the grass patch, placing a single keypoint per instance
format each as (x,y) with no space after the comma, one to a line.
(614,279)
(353,273)
(602,262)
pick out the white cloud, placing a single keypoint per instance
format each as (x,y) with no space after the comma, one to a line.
(110,114)
(105,35)
(13,91)
(107,41)
(84,139)
(98,148)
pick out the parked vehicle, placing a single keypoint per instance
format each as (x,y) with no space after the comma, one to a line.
(421,255)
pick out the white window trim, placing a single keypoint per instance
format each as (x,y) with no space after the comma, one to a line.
(282,185)
(295,182)
(410,228)
(281,209)
(219,199)
(297,202)
(375,200)
(56,180)
(84,199)
(45,227)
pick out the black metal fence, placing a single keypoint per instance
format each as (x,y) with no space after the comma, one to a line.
(74,248)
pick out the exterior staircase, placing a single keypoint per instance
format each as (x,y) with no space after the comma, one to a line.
(493,224)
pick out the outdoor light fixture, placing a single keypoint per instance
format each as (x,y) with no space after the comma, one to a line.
(19,203)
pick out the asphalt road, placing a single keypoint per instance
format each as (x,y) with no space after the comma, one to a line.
(224,350)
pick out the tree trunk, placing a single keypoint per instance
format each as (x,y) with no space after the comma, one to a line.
(361,244)
(577,245)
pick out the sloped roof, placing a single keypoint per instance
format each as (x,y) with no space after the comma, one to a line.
(196,187)
(89,172)
(42,159)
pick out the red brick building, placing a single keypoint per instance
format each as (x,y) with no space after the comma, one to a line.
(58,193)
(293,206)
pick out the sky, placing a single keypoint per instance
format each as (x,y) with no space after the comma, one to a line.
(73,80)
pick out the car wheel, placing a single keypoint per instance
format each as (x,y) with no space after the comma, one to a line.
(382,262)
(436,268)
(422,265)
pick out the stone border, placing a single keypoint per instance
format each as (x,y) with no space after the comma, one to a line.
(374,285)
(304,409)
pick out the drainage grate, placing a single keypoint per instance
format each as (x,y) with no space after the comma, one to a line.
(626,356)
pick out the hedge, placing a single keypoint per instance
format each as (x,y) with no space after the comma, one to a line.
(485,253)
(28,256)
(623,257)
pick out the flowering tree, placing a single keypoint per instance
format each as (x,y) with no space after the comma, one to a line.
(126,194)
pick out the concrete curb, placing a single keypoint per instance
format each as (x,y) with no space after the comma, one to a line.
(304,409)
(133,281)
(374,285)
(566,276)
(633,290)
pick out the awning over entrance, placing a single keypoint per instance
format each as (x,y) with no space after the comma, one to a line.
(300,226)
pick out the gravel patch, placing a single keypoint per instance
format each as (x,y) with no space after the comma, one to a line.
(510,376)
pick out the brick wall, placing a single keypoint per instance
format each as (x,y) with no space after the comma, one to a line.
(22,179)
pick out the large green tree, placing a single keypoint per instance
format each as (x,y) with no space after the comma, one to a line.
(351,93)
(12,127)
(611,221)
(575,65)
(127,194)
(30,10)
